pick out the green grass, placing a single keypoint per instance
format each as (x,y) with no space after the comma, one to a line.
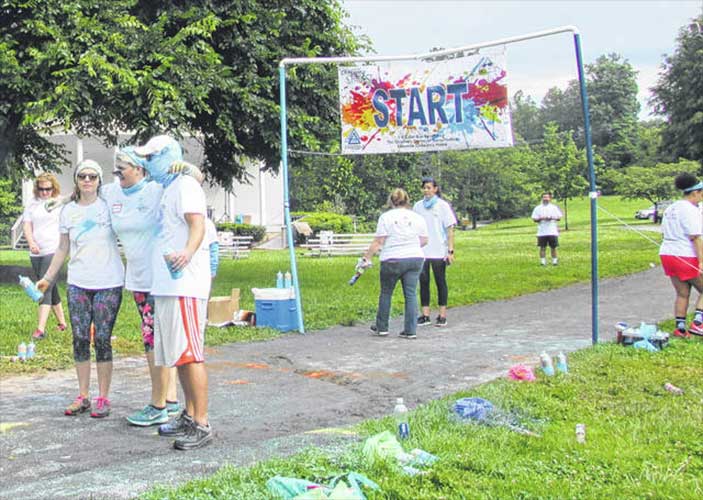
(495,262)
(641,441)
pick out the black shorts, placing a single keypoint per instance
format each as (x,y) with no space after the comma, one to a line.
(552,241)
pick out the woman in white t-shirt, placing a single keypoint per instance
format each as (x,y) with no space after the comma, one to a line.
(681,252)
(439,252)
(41,229)
(95,280)
(400,235)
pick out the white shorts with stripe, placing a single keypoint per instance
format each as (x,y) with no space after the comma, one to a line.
(179,330)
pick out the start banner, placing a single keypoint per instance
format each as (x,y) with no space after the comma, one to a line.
(411,106)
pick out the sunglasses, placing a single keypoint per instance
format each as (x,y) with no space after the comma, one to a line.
(45,189)
(90,177)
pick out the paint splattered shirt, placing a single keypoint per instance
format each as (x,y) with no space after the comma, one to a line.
(95,262)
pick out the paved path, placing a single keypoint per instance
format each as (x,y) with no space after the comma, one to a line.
(267,398)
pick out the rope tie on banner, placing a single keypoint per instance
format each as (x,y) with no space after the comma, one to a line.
(646,237)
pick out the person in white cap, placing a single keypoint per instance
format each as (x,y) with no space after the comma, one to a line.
(95,279)
(180,286)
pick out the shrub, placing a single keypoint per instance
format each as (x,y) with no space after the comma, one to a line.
(327,221)
(257,232)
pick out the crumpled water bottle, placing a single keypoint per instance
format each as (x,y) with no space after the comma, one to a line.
(279,279)
(562,365)
(287,280)
(30,288)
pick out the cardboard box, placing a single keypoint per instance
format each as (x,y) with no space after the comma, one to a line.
(221,309)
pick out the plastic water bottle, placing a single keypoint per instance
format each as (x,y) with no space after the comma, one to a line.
(22,351)
(401,418)
(279,279)
(30,350)
(562,364)
(581,433)
(546,361)
(174,273)
(288,280)
(30,288)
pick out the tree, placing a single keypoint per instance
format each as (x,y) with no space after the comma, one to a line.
(202,67)
(678,95)
(9,208)
(561,168)
(525,118)
(611,82)
(487,183)
(651,183)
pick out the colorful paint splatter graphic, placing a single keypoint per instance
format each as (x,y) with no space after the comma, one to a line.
(395,107)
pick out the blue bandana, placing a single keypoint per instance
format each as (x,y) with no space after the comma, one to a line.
(697,187)
(158,164)
(429,203)
(135,188)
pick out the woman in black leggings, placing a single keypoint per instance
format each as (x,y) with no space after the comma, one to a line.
(439,252)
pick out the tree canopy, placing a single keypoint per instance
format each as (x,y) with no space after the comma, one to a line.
(678,95)
(201,67)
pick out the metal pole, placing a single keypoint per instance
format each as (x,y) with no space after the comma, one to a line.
(593,193)
(286,197)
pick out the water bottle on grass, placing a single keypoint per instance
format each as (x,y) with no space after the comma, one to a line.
(562,365)
(545,361)
(30,350)
(22,351)
(401,418)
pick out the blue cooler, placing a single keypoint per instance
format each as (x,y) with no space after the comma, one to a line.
(275,307)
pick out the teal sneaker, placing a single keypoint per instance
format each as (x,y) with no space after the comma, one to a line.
(173,408)
(148,416)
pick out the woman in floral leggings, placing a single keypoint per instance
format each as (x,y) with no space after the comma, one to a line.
(95,279)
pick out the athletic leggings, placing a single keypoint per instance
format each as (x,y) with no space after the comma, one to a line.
(145,306)
(439,268)
(99,307)
(40,264)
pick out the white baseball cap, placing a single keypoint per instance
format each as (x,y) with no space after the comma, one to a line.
(154,145)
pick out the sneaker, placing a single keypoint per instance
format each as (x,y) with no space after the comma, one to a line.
(61,327)
(695,329)
(102,408)
(424,321)
(178,426)
(197,436)
(38,334)
(79,405)
(376,332)
(173,408)
(404,335)
(682,333)
(147,416)
(441,321)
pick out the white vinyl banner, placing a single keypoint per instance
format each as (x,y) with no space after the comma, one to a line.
(410,106)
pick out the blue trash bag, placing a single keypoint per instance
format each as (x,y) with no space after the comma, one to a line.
(477,409)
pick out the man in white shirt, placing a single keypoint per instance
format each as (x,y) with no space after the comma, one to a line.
(547,215)
(181,286)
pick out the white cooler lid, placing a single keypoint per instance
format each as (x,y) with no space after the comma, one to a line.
(273,293)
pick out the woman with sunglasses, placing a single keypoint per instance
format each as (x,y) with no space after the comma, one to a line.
(95,279)
(41,229)
(681,252)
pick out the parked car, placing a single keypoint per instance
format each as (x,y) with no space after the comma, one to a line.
(648,213)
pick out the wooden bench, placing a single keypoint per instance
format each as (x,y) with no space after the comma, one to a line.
(329,244)
(235,247)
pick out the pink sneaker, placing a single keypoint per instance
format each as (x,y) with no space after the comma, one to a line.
(696,329)
(61,327)
(682,334)
(79,405)
(38,334)
(101,409)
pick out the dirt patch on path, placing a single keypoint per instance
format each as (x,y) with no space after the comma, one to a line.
(268,398)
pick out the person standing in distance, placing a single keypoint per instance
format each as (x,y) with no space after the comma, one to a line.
(547,215)
(439,251)
(180,286)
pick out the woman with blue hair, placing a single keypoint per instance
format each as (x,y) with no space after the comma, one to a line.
(135,215)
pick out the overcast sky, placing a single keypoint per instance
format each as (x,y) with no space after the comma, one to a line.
(640,30)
